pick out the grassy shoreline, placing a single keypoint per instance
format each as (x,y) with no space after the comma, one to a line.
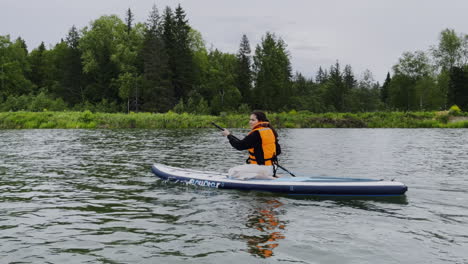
(292,119)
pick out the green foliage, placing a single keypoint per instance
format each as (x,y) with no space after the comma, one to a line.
(454,110)
(272,74)
(104,106)
(194,105)
(67,69)
(127,84)
(451,50)
(180,107)
(86,117)
(14,67)
(414,65)
(101,46)
(462,124)
(442,117)
(42,101)
(38,60)
(220,82)
(32,103)
(202,107)
(307,95)
(300,119)
(116,65)
(15,103)
(244,109)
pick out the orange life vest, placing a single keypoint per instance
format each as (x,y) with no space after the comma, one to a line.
(268,145)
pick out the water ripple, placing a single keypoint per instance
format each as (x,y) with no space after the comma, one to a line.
(88,196)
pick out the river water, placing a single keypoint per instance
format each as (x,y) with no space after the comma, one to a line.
(88,196)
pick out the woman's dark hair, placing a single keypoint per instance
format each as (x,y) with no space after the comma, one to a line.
(261,117)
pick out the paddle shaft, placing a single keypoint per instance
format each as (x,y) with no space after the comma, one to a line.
(222,129)
(279,166)
(283,168)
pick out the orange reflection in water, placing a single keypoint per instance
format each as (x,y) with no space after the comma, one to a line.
(266,220)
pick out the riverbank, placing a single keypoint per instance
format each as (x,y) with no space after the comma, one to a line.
(87,119)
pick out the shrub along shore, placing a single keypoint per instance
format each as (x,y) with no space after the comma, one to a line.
(292,119)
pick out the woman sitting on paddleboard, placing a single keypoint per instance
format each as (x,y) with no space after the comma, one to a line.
(262,143)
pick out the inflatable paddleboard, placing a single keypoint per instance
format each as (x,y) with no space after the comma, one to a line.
(321,186)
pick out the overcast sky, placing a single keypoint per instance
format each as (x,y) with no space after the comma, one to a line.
(367,34)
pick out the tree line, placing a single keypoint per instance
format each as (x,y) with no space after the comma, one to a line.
(163,64)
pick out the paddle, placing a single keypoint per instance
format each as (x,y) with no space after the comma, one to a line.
(279,166)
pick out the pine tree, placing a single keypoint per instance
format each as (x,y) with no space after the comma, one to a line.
(72,80)
(176,38)
(322,76)
(349,84)
(158,93)
(73,38)
(348,78)
(37,60)
(21,43)
(168,30)
(299,86)
(182,71)
(244,73)
(336,88)
(169,42)
(384,94)
(129,20)
(154,23)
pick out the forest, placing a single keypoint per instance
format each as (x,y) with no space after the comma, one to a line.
(116,65)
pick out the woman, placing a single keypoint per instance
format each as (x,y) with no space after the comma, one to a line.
(262,143)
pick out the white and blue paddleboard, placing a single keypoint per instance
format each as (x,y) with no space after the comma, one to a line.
(325,186)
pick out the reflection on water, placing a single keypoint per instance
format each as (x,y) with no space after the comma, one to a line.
(266,220)
(352,201)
